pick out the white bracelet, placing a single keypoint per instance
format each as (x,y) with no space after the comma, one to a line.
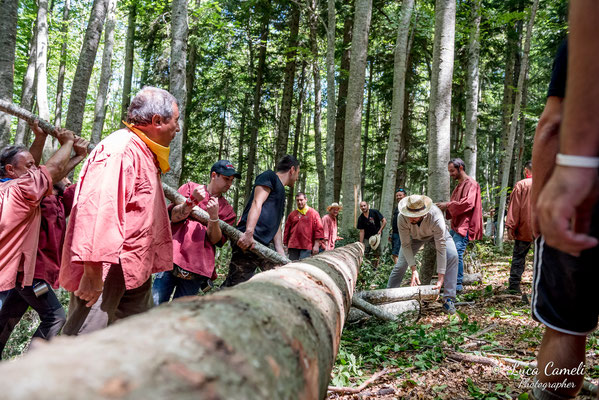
(568,160)
(213,220)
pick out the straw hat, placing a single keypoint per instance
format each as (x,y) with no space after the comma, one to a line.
(374,241)
(335,205)
(415,206)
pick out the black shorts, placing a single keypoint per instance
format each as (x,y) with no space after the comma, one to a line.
(564,294)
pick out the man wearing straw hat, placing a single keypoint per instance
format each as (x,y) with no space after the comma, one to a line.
(329,224)
(421,221)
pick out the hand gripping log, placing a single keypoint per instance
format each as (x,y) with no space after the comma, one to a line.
(273,337)
(199,214)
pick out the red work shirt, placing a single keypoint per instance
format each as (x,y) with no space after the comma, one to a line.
(20,216)
(301,231)
(329,225)
(519,214)
(53,227)
(119,214)
(465,210)
(192,249)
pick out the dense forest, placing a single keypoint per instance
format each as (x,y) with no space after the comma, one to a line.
(369,95)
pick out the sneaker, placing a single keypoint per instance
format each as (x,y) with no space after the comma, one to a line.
(513,289)
(449,306)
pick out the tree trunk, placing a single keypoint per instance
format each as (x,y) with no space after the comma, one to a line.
(521,137)
(41,59)
(274,337)
(397,309)
(27,91)
(313,7)
(8,42)
(100,109)
(330,171)
(382,296)
(287,98)
(190,84)
(297,130)
(240,158)
(470,149)
(85,66)
(373,310)
(341,106)
(366,129)
(129,58)
(255,124)
(439,115)
(353,128)
(507,154)
(394,149)
(63,63)
(178,84)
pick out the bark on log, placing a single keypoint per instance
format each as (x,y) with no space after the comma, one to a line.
(469,279)
(395,309)
(232,233)
(370,309)
(383,296)
(273,337)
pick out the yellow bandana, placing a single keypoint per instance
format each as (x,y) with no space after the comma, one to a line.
(303,211)
(159,150)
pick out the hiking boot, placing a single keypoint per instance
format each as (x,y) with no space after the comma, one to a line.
(449,306)
(513,289)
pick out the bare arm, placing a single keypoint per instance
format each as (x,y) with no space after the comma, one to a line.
(361,235)
(214,232)
(278,242)
(37,147)
(383,224)
(57,163)
(260,195)
(91,283)
(80,149)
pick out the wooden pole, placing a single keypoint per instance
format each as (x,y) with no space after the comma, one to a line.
(174,196)
(273,337)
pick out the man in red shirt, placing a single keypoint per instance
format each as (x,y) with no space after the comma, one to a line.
(303,230)
(22,187)
(194,243)
(519,228)
(464,209)
(119,233)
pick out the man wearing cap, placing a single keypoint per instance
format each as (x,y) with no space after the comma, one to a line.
(464,209)
(119,232)
(371,223)
(303,230)
(421,221)
(394,238)
(329,225)
(193,242)
(261,220)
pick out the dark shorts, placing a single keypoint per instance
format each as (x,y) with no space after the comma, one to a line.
(564,297)
(395,244)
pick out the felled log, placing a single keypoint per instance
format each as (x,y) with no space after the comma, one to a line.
(469,279)
(273,337)
(395,309)
(232,233)
(382,296)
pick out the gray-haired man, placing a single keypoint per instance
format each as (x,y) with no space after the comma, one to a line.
(421,221)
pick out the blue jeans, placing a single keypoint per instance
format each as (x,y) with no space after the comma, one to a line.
(460,244)
(165,282)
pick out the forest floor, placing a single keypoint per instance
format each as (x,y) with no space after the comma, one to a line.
(415,354)
(418,353)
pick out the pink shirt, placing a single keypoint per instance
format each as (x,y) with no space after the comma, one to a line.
(119,214)
(55,209)
(465,210)
(301,231)
(192,249)
(329,226)
(20,216)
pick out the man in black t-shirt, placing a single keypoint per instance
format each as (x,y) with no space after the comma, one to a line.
(371,222)
(261,220)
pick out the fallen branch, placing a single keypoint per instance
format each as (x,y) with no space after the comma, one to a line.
(469,279)
(395,309)
(472,358)
(352,390)
(370,309)
(483,331)
(383,296)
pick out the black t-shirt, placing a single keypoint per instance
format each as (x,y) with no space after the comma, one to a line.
(394,228)
(557,86)
(272,209)
(372,224)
